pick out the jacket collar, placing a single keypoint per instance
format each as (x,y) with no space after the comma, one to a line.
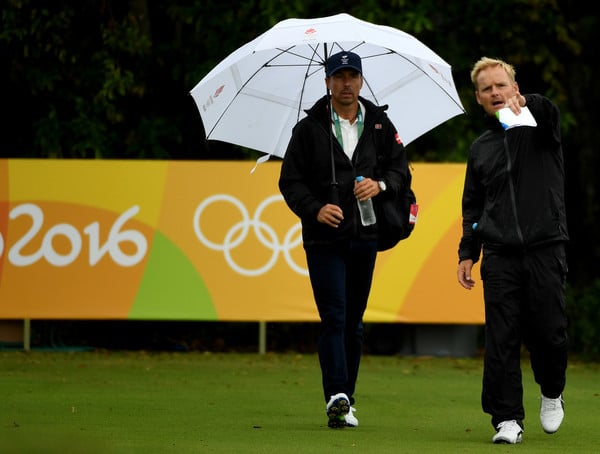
(492,123)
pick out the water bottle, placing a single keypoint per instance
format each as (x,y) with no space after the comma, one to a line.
(367,213)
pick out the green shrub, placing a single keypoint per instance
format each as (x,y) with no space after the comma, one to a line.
(583,310)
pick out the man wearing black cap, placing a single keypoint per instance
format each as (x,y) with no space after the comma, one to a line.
(349,133)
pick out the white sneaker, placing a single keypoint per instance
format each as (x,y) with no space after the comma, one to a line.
(350,419)
(551,413)
(337,408)
(508,432)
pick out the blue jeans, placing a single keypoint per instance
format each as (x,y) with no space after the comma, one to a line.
(341,279)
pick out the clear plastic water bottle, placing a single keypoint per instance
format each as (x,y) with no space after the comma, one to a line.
(367,212)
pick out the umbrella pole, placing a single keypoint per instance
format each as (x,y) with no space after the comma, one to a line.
(334,184)
(335,199)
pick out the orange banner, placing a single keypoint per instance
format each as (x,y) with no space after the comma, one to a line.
(175,240)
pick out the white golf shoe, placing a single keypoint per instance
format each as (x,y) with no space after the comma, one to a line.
(337,409)
(551,413)
(351,420)
(508,432)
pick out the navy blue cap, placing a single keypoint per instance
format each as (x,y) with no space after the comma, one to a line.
(343,60)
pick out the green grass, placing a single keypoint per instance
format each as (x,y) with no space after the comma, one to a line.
(138,402)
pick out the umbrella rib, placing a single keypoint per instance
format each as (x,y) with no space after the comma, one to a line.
(243,85)
(296,54)
(420,70)
(306,76)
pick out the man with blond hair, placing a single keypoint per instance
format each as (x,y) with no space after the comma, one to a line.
(513,209)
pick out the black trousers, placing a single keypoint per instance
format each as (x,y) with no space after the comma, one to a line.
(524,297)
(341,280)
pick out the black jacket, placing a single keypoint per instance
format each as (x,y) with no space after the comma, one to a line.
(306,180)
(514,185)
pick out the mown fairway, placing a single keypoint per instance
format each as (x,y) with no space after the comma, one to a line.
(139,402)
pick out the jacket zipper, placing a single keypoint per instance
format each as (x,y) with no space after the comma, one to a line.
(511,187)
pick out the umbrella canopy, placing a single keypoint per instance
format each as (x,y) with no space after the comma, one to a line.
(256,95)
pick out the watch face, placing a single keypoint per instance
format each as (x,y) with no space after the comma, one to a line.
(382,185)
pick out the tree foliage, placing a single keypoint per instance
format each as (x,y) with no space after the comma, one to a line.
(111,79)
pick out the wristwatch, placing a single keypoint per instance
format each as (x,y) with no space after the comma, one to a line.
(382,185)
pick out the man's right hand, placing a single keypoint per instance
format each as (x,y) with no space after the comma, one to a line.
(331,215)
(464,274)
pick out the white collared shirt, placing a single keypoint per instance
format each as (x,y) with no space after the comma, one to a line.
(349,133)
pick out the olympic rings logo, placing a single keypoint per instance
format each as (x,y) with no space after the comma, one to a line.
(265,234)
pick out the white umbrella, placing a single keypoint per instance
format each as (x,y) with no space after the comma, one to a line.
(256,95)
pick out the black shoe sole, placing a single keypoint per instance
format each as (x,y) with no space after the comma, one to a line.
(336,413)
(336,424)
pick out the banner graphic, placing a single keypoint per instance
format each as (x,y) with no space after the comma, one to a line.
(202,240)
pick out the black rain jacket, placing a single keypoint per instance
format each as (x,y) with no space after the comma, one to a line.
(514,186)
(305,179)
